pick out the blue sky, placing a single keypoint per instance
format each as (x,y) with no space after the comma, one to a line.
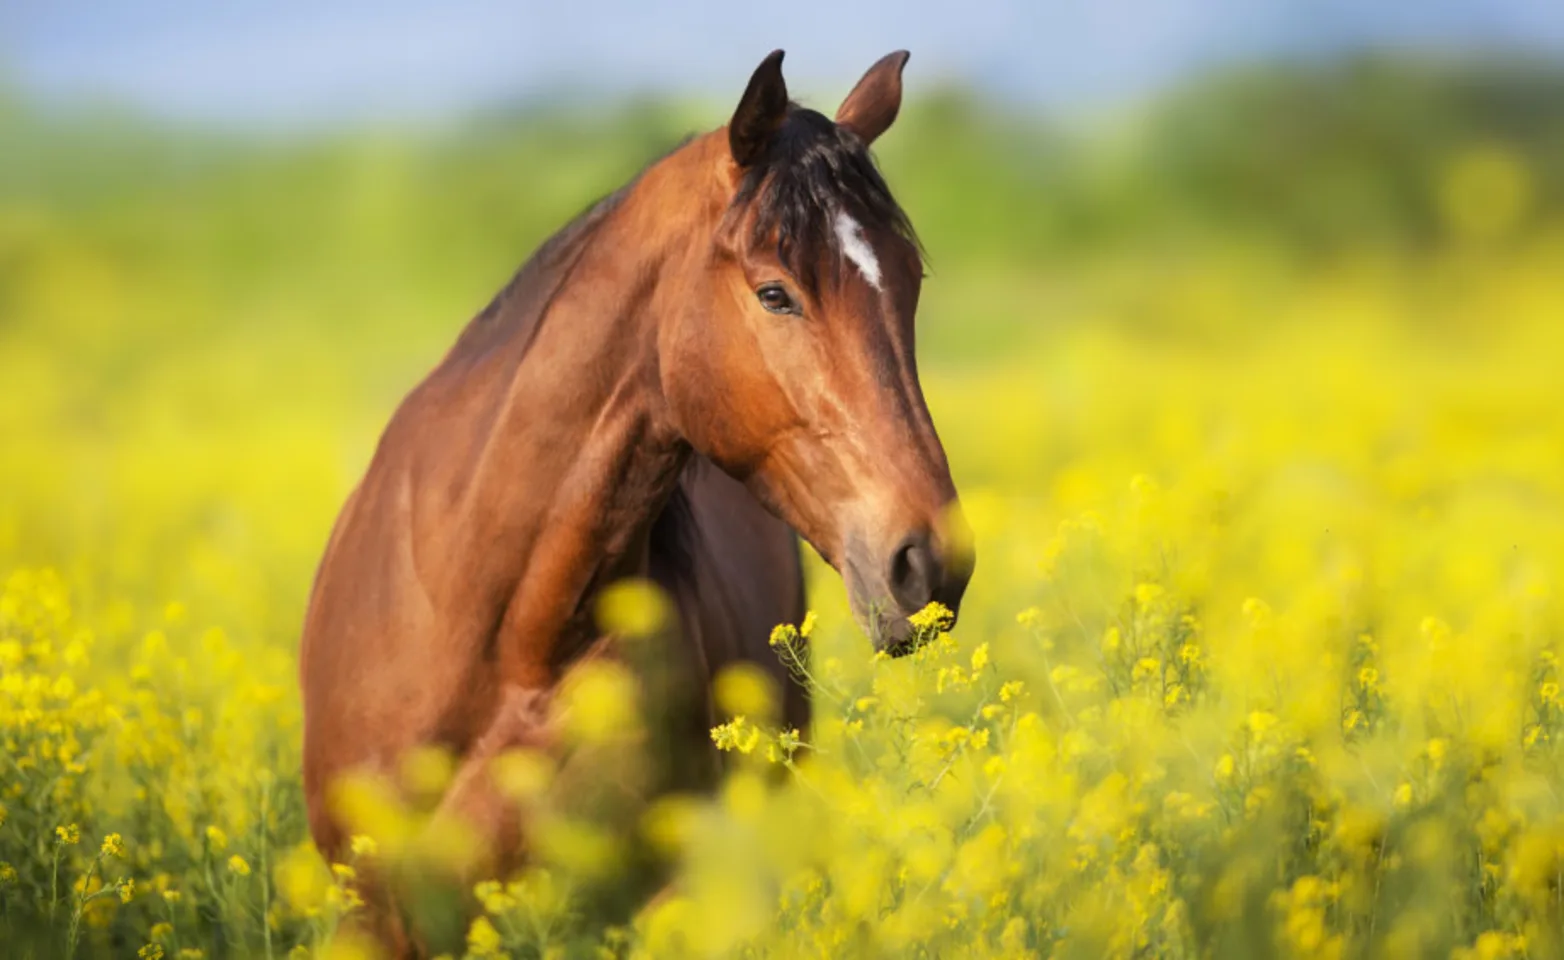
(314,61)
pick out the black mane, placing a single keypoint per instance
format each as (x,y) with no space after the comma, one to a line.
(813,170)
(519,306)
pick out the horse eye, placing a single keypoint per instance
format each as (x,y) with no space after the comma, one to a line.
(774,297)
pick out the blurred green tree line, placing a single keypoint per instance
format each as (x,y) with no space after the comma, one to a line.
(1309,158)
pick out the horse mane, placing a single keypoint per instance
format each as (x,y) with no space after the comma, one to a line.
(812,170)
(517,309)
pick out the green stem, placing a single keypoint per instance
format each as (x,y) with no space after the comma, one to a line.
(54,884)
(78,908)
(266,882)
(172,925)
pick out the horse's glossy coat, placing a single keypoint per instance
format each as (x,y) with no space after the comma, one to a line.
(672,385)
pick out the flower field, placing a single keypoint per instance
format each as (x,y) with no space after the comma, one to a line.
(1261,657)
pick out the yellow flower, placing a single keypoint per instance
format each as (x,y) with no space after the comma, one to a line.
(633,608)
(239,865)
(127,889)
(808,626)
(790,740)
(482,939)
(952,678)
(68,835)
(343,899)
(738,734)
(216,839)
(599,702)
(363,846)
(151,951)
(980,657)
(934,616)
(1260,723)
(113,846)
(1257,611)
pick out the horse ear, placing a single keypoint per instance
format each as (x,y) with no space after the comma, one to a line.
(871,108)
(760,112)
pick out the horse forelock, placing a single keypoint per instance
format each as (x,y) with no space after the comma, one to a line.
(816,192)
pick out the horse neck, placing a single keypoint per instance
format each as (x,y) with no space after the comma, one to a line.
(580,454)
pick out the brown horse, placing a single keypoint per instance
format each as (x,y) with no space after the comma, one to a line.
(714,357)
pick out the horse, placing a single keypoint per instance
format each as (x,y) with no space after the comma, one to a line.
(706,365)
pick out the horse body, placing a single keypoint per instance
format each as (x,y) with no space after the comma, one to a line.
(625,408)
(498,502)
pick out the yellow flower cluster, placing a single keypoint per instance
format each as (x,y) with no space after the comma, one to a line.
(155,739)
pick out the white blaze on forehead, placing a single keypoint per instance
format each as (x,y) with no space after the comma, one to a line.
(855,248)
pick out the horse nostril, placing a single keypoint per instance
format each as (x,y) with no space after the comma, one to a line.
(914,573)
